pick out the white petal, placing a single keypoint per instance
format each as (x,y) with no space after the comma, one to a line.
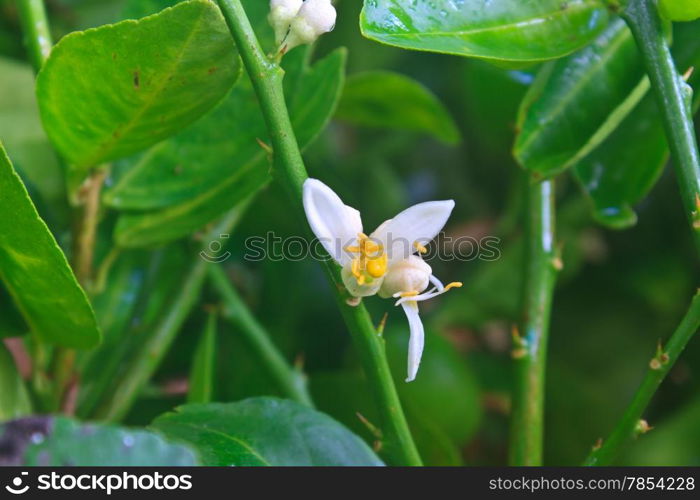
(419,223)
(415,342)
(335,224)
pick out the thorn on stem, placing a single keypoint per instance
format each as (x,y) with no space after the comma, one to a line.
(598,444)
(374,430)
(264,145)
(688,73)
(642,427)
(382,324)
(519,344)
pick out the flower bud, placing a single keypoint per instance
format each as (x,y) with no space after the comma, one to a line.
(315,18)
(281,14)
(408,275)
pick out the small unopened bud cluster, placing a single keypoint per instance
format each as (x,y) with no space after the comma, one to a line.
(297,22)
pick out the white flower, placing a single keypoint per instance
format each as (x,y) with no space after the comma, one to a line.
(281,14)
(315,17)
(384,262)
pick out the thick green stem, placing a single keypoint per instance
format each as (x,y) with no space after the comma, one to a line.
(149,357)
(530,349)
(35,28)
(290,381)
(674,98)
(266,77)
(630,423)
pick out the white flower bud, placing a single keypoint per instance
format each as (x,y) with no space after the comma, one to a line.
(408,275)
(315,18)
(281,14)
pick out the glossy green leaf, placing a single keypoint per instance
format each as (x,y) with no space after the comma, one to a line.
(112,91)
(577,101)
(390,100)
(265,431)
(193,178)
(616,176)
(36,272)
(201,383)
(501,30)
(14,399)
(59,441)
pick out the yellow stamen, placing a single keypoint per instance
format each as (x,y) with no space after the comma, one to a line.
(420,248)
(408,294)
(355,269)
(454,284)
(353,249)
(377,267)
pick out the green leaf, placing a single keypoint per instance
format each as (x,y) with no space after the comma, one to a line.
(616,176)
(577,101)
(184,183)
(36,272)
(390,100)
(201,383)
(112,91)
(265,431)
(59,441)
(500,30)
(14,399)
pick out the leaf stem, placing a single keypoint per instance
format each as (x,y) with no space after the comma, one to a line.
(659,366)
(291,382)
(674,98)
(86,230)
(35,28)
(530,343)
(289,169)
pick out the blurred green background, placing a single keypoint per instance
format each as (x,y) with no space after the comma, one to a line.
(619,294)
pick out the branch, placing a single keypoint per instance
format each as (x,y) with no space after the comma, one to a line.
(267,77)
(35,28)
(629,424)
(530,344)
(674,98)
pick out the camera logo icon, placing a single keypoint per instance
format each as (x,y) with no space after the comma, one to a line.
(16,487)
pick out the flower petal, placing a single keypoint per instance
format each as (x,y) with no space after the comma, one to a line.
(419,223)
(335,224)
(417,339)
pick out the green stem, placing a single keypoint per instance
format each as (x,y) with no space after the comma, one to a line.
(628,425)
(674,98)
(291,382)
(203,371)
(530,349)
(267,77)
(149,357)
(35,27)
